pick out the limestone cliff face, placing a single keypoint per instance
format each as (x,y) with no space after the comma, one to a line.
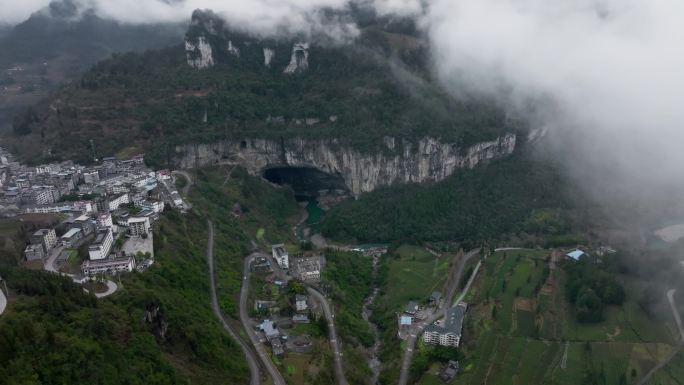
(401,162)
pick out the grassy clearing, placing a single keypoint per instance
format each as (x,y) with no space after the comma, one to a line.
(414,274)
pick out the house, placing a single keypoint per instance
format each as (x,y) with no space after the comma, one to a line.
(449,332)
(281,256)
(411,308)
(261,265)
(84,223)
(300,302)
(449,371)
(108,266)
(300,319)
(405,320)
(269,329)
(307,269)
(102,246)
(277,347)
(71,237)
(139,226)
(576,254)
(45,237)
(34,252)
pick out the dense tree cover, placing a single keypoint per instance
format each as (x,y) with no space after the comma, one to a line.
(154,101)
(54,333)
(590,285)
(349,276)
(429,354)
(484,203)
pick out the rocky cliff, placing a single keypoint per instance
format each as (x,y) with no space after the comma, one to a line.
(400,161)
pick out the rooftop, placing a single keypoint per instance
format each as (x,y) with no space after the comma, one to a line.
(575,254)
(453,322)
(71,233)
(99,239)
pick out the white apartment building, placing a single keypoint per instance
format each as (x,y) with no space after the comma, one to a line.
(108,266)
(139,226)
(105,220)
(45,237)
(448,333)
(114,203)
(102,246)
(281,256)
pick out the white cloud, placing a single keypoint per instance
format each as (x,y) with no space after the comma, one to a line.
(610,70)
(13,11)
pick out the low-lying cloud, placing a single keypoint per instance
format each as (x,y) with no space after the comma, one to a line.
(606,75)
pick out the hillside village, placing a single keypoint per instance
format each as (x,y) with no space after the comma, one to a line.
(101,215)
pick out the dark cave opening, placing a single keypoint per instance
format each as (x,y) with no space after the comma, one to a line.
(306,182)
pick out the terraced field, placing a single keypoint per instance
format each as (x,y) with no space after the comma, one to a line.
(521,331)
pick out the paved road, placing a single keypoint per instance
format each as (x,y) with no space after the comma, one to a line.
(332,335)
(187,176)
(670,298)
(111,288)
(255,374)
(50,266)
(244,318)
(3,301)
(440,313)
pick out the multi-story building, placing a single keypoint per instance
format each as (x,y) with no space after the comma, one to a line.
(45,237)
(85,223)
(114,203)
(72,237)
(108,266)
(449,332)
(308,268)
(139,226)
(43,197)
(102,246)
(300,302)
(91,177)
(281,256)
(34,252)
(105,220)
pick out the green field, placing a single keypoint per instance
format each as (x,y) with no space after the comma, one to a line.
(524,340)
(414,275)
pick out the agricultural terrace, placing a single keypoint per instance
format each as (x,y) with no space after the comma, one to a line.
(521,330)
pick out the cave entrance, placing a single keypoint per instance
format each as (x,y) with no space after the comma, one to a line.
(306,182)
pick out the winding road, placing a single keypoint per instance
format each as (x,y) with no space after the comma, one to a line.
(50,266)
(244,318)
(187,176)
(440,313)
(678,320)
(332,335)
(255,373)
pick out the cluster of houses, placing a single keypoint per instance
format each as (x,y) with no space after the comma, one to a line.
(274,322)
(272,328)
(97,205)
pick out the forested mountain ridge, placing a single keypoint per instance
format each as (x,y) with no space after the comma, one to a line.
(222,84)
(57,44)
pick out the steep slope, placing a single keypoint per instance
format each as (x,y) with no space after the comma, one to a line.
(223,88)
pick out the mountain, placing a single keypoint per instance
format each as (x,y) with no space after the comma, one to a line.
(59,43)
(195,103)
